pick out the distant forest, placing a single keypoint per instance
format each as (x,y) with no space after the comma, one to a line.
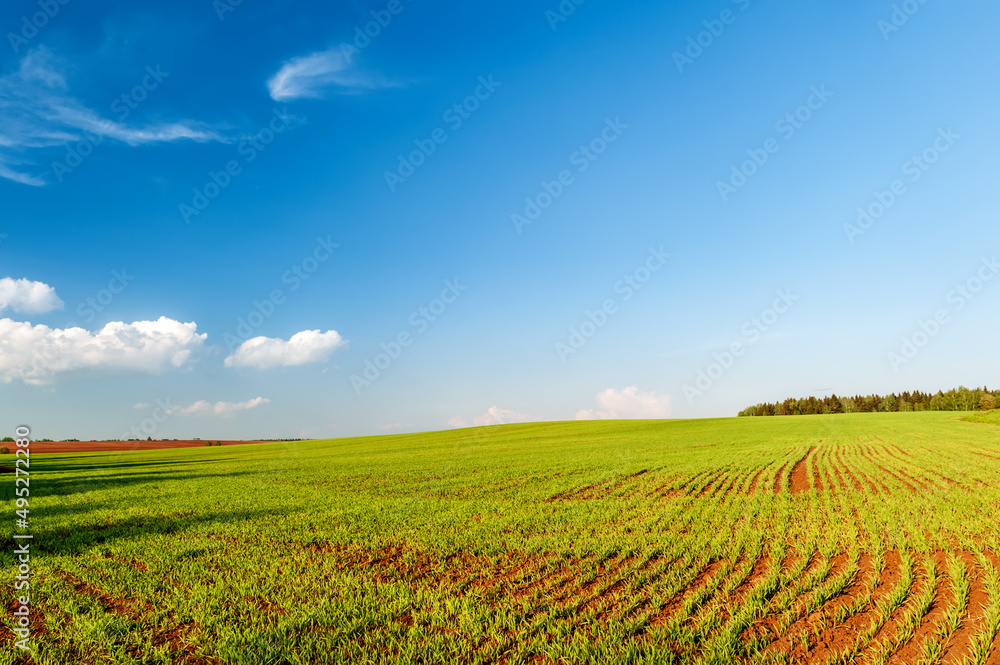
(960,399)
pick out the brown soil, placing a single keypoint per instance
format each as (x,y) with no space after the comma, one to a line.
(839,484)
(778,480)
(800,478)
(700,580)
(42,447)
(898,478)
(170,633)
(959,646)
(835,640)
(753,484)
(817,473)
(911,652)
(847,471)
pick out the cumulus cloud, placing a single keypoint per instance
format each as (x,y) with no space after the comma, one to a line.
(224,409)
(389,427)
(457,421)
(37,354)
(22,295)
(310,75)
(304,348)
(628,403)
(37,111)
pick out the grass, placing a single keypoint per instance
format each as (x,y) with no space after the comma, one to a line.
(610,542)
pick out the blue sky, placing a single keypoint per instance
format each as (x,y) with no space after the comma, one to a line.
(549,211)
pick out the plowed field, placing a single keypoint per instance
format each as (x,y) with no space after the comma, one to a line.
(861,538)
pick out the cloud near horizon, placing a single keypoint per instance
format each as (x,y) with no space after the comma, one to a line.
(309,76)
(308,347)
(630,403)
(28,297)
(224,409)
(493,416)
(38,354)
(37,112)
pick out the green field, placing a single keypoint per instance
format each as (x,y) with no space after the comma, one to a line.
(866,538)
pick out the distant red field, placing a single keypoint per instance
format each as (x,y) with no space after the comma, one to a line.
(38,447)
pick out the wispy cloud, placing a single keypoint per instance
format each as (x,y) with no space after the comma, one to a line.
(37,111)
(309,76)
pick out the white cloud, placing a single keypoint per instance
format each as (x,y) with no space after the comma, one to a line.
(224,409)
(37,111)
(23,295)
(304,348)
(493,416)
(628,403)
(497,416)
(392,426)
(37,354)
(310,75)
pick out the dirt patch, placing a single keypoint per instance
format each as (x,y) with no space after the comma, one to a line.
(599,490)
(779,484)
(910,488)
(858,487)
(753,484)
(800,477)
(838,483)
(817,474)
(960,644)
(43,447)
(837,639)
(700,579)
(169,633)
(912,651)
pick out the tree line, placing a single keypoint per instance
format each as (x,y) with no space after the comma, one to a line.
(959,399)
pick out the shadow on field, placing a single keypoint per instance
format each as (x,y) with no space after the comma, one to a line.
(77,539)
(69,485)
(67,464)
(135,486)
